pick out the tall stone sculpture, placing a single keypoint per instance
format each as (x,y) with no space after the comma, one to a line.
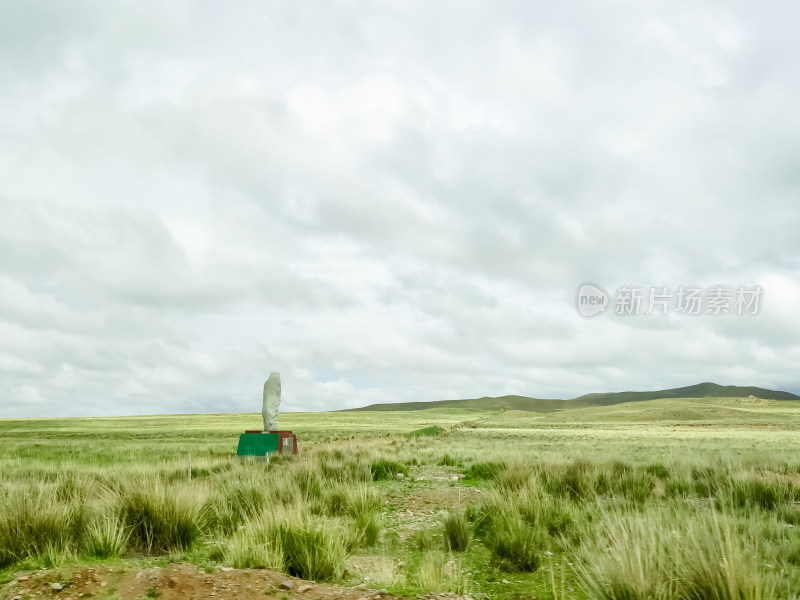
(272,401)
(260,443)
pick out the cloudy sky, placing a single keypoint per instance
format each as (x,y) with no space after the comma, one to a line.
(389,201)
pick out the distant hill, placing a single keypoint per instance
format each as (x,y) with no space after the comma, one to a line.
(700,390)
(487,402)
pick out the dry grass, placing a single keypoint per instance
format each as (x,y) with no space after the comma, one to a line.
(610,512)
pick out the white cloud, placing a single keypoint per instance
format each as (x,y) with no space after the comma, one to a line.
(387,202)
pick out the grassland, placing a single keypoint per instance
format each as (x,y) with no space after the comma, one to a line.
(679,498)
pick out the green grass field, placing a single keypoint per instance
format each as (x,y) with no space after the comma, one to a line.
(678,498)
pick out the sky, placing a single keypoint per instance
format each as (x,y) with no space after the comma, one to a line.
(390,201)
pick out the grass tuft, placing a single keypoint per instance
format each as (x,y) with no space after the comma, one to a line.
(439,572)
(422,539)
(457,532)
(514,544)
(670,554)
(385,468)
(160,519)
(425,432)
(106,538)
(484,471)
(448,461)
(312,552)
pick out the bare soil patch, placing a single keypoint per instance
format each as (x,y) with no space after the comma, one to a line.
(424,503)
(174,582)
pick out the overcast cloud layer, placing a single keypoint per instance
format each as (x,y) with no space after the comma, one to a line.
(388,201)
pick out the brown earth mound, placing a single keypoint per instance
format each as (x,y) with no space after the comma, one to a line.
(178,581)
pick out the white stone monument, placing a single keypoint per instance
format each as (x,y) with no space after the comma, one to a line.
(272,401)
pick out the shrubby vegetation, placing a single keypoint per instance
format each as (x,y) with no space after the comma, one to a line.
(301,517)
(616,527)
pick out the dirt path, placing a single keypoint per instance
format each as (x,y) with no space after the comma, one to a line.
(179,581)
(426,503)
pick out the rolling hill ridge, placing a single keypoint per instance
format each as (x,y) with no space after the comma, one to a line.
(700,390)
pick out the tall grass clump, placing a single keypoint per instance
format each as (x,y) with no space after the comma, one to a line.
(440,572)
(33,523)
(484,471)
(348,500)
(160,518)
(632,561)
(710,480)
(576,480)
(546,515)
(385,468)
(384,571)
(242,495)
(425,432)
(245,499)
(334,467)
(721,563)
(674,554)
(457,532)
(106,537)
(422,539)
(310,481)
(755,493)
(255,545)
(552,516)
(286,539)
(74,487)
(514,544)
(355,502)
(366,530)
(55,554)
(448,461)
(312,551)
(636,486)
(658,470)
(514,477)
